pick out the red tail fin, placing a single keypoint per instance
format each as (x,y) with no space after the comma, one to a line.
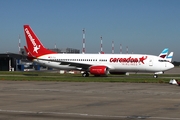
(34,45)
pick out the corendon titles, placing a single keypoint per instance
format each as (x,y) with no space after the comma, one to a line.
(30,37)
(129,60)
(36,47)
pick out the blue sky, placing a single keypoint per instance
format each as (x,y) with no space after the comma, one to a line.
(145,26)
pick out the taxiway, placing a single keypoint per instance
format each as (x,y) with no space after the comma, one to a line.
(21,100)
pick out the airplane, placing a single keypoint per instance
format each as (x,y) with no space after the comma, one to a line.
(31,57)
(95,64)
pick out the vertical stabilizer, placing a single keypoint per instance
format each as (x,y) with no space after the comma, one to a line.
(34,45)
(170,56)
(164,53)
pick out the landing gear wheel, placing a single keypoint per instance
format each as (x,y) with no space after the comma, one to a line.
(155,76)
(85,74)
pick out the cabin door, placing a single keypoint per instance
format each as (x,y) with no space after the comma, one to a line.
(150,62)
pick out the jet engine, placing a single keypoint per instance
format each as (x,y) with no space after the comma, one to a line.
(98,70)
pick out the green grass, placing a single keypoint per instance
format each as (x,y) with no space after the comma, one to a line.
(46,76)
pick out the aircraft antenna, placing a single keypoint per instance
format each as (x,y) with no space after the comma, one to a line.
(83,50)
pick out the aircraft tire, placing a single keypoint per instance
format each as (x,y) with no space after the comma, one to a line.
(85,74)
(155,76)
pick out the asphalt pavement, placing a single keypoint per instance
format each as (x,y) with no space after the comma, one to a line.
(25,100)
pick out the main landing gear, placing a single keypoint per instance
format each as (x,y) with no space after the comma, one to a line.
(155,76)
(85,74)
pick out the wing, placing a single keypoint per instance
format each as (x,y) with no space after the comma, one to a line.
(78,65)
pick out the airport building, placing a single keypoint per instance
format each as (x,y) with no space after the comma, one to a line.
(19,62)
(9,61)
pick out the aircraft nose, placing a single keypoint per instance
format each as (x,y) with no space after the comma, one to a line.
(170,66)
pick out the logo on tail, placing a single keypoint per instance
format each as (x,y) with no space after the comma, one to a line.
(164,53)
(36,47)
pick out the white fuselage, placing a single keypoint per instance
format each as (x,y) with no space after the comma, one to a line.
(114,62)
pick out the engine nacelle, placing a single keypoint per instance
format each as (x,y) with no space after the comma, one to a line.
(98,70)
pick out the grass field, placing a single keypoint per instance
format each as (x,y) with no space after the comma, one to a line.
(47,76)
